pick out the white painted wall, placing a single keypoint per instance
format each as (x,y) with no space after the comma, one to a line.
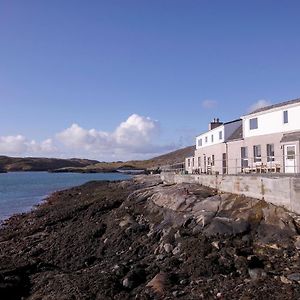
(227,131)
(208,134)
(272,121)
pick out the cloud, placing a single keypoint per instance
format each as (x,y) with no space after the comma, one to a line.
(135,138)
(18,144)
(209,104)
(259,104)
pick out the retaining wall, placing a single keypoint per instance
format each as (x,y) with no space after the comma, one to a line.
(282,191)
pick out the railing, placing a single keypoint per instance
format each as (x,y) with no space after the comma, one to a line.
(289,164)
(178,168)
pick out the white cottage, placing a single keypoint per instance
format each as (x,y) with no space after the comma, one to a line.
(266,140)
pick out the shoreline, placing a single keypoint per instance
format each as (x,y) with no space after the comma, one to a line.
(23,191)
(141,238)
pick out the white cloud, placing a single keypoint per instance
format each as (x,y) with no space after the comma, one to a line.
(259,104)
(77,137)
(135,138)
(209,104)
(18,144)
(135,133)
(132,137)
(13,144)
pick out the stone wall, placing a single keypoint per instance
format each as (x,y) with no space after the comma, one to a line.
(281,191)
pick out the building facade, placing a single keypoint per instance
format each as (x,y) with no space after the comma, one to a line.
(266,140)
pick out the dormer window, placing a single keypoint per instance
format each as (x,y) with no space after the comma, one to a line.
(253,123)
(220,135)
(199,142)
(285,117)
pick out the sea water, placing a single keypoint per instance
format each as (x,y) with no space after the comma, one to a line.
(20,191)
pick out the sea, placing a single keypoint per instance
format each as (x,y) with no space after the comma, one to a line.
(21,191)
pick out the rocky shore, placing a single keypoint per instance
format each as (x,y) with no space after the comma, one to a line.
(142,239)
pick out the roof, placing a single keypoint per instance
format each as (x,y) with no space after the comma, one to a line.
(275,106)
(236,120)
(237,134)
(226,123)
(291,137)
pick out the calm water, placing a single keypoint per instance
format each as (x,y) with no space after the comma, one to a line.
(20,191)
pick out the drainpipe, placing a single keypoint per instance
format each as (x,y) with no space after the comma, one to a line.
(226,153)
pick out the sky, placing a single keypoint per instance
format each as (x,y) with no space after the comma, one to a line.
(131,79)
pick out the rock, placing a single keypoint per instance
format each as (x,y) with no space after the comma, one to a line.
(226,226)
(177,235)
(297,242)
(294,276)
(183,282)
(159,283)
(216,244)
(168,248)
(177,250)
(283,279)
(160,257)
(127,220)
(175,293)
(127,283)
(257,273)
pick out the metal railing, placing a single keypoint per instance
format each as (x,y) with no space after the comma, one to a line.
(178,168)
(285,164)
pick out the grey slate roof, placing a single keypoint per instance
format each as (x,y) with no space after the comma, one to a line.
(275,106)
(291,137)
(237,134)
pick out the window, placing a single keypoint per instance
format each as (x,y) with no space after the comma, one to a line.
(199,161)
(285,117)
(244,157)
(193,162)
(257,153)
(189,163)
(199,142)
(290,152)
(220,135)
(270,152)
(212,138)
(206,139)
(212,160)
(253,123)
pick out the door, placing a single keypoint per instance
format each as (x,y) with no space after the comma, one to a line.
(224,163)
(290,158)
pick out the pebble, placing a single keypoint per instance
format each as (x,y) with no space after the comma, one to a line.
(294,276)
(177,235)
(257,273)
(160,257)
(297,242)
(127,283)
(216,244)
(168,248)
(283,279)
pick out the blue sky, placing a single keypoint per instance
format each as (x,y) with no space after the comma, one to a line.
(132,78)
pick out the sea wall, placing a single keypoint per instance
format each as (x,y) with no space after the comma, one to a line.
(281,191)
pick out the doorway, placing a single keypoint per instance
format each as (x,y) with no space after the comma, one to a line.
(290,159)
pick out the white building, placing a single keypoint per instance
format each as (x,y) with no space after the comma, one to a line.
(266,140)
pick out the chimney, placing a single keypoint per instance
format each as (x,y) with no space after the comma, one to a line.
(214,124)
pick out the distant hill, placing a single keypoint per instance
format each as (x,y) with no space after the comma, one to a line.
(41,164)
(10,164)
(174,157)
